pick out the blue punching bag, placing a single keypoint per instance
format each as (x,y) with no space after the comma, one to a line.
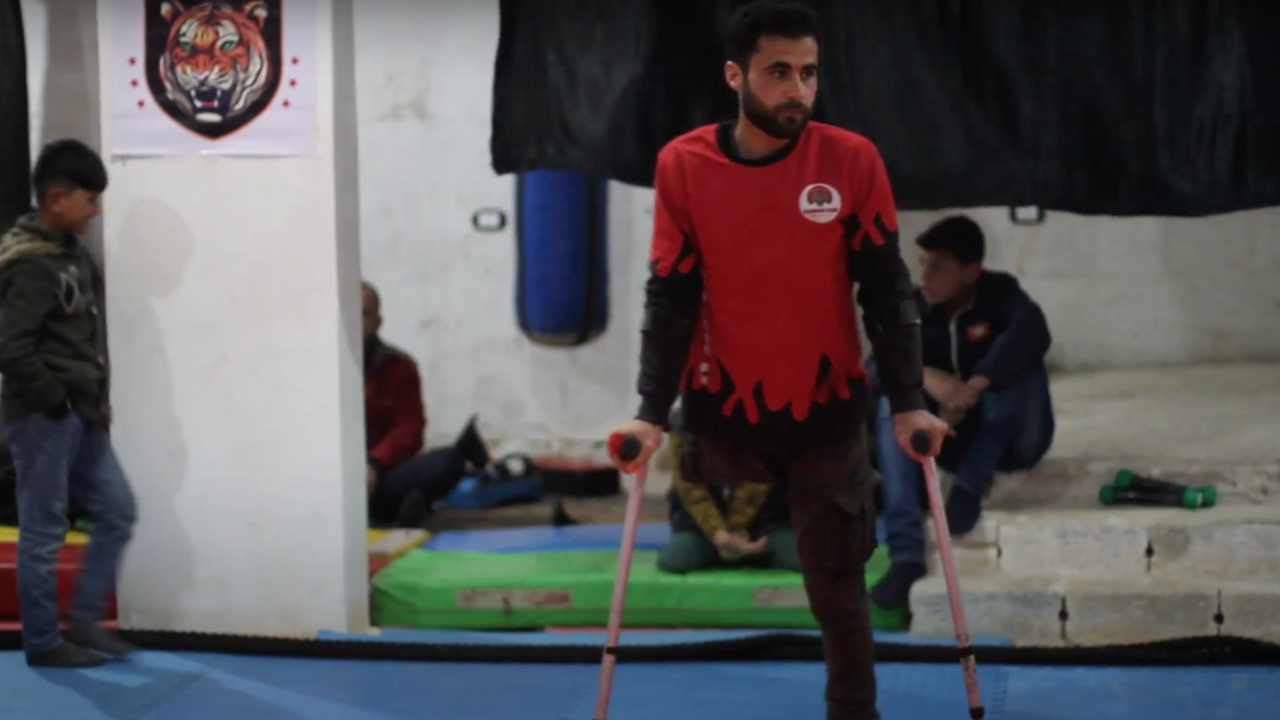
(562,275)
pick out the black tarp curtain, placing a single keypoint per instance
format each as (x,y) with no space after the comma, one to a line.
(15,133)
(15,181)
(1111,107)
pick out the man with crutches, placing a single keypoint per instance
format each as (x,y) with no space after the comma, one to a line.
(763,227)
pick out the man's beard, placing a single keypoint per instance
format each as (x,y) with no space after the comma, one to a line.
(770,120)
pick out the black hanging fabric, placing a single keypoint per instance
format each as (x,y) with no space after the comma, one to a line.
(15,177)
(15,123)
(1117,107)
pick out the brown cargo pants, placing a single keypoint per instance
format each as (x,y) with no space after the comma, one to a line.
(829,490)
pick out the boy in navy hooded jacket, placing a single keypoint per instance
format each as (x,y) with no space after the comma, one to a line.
(984,344)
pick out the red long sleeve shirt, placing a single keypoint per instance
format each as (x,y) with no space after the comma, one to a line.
(395,414)
(763,256)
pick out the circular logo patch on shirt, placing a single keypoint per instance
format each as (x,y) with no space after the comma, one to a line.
(820,203)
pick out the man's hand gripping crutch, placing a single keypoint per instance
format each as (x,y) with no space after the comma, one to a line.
(631,451)
(922,445)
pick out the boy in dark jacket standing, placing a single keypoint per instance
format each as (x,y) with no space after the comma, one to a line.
(984,342)
(53,358)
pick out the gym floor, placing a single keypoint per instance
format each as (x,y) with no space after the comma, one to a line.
(188,686)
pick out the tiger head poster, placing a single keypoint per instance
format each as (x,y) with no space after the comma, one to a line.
(213,78)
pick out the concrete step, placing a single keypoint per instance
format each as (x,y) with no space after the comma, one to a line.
(1046,611)
(1072,483)
(1224,543)
(1221,544)
(1104,576)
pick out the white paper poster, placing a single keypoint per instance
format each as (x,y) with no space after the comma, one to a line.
(213,78)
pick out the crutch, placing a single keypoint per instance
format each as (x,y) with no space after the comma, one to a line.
(921,443)
(625,448)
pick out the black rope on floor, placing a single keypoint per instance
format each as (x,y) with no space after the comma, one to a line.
(780,646)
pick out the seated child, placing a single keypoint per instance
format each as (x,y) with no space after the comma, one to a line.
(718,525)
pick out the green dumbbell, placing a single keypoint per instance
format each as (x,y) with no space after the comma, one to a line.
(1127,480)
(1111,495)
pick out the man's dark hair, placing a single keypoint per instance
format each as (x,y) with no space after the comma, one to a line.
(68,164)
(767,18)
(957,234)
(373,292)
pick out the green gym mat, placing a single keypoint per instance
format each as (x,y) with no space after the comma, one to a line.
(461,589)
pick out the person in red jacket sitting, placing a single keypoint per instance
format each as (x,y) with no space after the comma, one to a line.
(404,482)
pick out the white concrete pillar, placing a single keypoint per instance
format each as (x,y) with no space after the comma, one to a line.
(233,298)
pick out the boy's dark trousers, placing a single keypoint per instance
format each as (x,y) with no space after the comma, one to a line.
(829,491)
(57,459)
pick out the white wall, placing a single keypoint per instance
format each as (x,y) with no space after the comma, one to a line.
(236,354)
(425,79)
(1118,292)
(62,87)
(257,405)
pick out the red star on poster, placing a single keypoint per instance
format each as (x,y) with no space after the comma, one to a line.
(133,61)
(133,82)
(292,84)
(142,104)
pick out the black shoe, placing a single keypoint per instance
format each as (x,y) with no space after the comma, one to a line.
(839,711)
(561,517)
(65,655)
(472,447)
(894,589)
(92,637)
(963,511)
(413,511)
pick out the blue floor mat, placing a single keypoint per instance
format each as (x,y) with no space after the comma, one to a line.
(628,637)
(649,536)
(180,686)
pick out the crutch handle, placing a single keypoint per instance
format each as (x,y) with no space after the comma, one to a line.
(626,447)
(921,442)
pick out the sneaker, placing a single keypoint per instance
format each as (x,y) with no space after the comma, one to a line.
(93,637)
(65,655)
(963,510)
(894,589)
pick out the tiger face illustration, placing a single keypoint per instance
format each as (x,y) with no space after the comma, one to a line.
(215,64)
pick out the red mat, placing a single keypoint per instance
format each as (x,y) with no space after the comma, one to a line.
(14,625)
(69,560)
(377,562)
